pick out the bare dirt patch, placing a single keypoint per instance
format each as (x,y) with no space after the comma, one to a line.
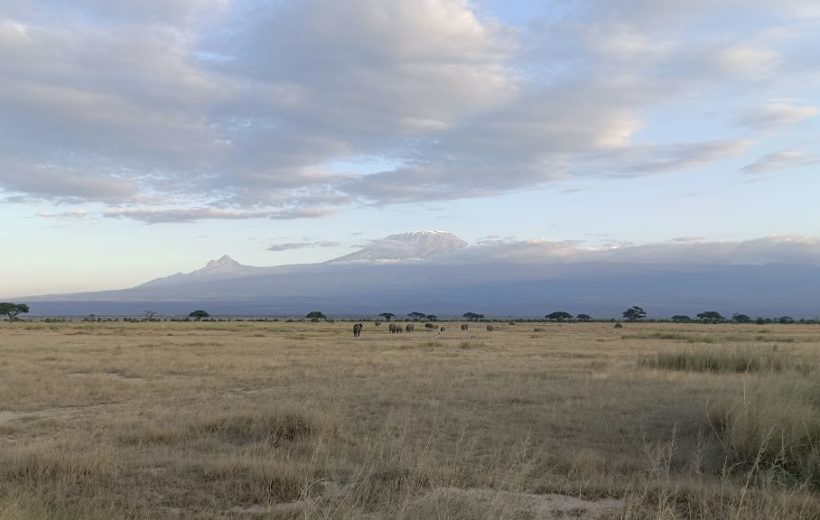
(280,508)
(114,376)
(524,505)
(7,416)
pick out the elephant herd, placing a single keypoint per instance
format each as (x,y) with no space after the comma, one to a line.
(397,328)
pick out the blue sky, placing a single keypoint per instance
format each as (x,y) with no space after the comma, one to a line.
(141,138)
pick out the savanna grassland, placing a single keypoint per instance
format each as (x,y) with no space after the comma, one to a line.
(251,420)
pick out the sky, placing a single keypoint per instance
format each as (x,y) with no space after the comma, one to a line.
(139,138)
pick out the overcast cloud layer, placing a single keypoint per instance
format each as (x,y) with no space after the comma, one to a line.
(181,110)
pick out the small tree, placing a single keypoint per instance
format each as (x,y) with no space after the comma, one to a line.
(472,316)
(150,315)
(199,314)
(634,313)
(12,310)
(711,317)
(417,316)
(559,316)
(681,318)
(785,319)
(315,316)
(741,318)
(583,317)
(432,317)
(387,316)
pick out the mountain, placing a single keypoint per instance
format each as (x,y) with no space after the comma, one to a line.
(497,289)
(221,268)
(438,273)
(416,245)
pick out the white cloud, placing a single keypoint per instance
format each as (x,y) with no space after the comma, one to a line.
(780,160)
(74,213)
(200,104)
(289,246)
(50,181)
(164,215)
(120,11)
(776,114)
(746,61)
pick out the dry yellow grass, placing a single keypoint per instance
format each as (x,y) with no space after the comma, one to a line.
(301,420)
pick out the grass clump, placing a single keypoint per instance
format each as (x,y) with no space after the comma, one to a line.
(57,465)
(245,480)
(723,361)
(272,428)
(773,433)
(672,336)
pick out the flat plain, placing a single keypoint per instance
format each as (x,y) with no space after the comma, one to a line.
(251,420)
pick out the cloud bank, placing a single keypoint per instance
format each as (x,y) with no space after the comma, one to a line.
(289,246)
(183,110)
(801,250)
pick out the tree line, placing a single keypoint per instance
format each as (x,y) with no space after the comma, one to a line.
(12,311)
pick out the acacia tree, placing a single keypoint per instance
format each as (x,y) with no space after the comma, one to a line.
(634,313)
(12,310)
(472,316)
(387,316)
(583,317)
(315,316)
(431,317)
(199,314)
(681,318)
(559,316)
(417,316)
(741,318)
(711,317)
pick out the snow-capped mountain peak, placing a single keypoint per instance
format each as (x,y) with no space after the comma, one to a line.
(415,245)
(223,264)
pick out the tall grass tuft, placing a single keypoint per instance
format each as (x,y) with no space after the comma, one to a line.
(272,428)
(773,432)
(719,360)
